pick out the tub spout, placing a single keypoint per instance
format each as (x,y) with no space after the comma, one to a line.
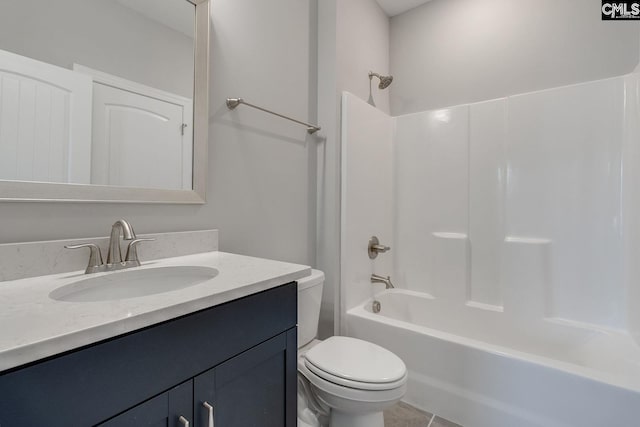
(381,279)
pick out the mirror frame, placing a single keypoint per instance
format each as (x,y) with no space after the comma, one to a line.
(23,191)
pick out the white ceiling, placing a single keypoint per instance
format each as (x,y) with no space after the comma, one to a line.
(396,7)
(177,15)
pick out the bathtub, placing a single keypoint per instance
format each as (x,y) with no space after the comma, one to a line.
(479,368)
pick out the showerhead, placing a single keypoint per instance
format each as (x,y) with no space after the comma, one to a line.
(385,81)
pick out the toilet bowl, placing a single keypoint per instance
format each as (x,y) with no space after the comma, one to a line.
(357,380)
(350,381)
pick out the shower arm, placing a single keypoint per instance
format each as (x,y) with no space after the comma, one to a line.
(385,81)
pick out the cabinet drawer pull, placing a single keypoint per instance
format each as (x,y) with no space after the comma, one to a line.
(210,409)
(184,421)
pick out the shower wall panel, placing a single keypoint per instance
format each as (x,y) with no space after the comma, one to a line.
(515,204)
(432,213)
(367,202)
(564,153)
(631,202)
(487,184)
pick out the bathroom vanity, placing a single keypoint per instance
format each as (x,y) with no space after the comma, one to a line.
(222,350)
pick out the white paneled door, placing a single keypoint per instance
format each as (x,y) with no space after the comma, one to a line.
(142,137)
(45,122)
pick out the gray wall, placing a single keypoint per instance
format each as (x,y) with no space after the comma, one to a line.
(263,167)
(363,46)
(261,173)
(100,34)
(328,153)
(449,52)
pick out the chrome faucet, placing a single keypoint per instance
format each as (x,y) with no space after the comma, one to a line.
(114,256)
(381,279)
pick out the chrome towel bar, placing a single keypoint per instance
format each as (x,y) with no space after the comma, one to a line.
(232,103)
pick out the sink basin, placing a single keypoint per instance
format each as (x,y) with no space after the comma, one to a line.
(133,283)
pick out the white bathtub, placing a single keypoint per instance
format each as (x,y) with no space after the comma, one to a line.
(470,366)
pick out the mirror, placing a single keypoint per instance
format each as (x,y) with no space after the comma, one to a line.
(104,100)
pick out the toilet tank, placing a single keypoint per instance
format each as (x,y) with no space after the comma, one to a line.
(309,300)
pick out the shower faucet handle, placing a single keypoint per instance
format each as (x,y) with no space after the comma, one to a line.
(376,248)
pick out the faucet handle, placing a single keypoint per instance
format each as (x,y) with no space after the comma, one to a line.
(132,250)
(376,248)
(95,257)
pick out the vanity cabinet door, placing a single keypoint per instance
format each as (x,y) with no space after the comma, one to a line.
(164,410)
(254,389)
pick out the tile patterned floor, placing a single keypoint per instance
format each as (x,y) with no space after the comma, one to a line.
(441,422)
(404,415)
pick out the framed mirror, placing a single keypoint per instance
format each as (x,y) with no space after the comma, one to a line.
(104,100)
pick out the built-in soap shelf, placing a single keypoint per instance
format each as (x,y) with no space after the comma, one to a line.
(524,275)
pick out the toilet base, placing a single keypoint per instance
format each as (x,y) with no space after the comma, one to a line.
(344,419)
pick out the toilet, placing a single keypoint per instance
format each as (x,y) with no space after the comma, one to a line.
(342,381)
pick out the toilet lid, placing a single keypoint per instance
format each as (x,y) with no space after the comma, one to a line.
(358,385)
(356,360)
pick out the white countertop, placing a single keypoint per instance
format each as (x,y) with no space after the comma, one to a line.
(34,326)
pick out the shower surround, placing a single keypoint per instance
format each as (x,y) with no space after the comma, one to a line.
(513,220)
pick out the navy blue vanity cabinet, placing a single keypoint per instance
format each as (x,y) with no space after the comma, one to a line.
(238,357)
(247,391)
(167,409)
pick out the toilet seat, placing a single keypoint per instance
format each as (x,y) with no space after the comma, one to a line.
(354,384)
(356,364)
(333,391)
